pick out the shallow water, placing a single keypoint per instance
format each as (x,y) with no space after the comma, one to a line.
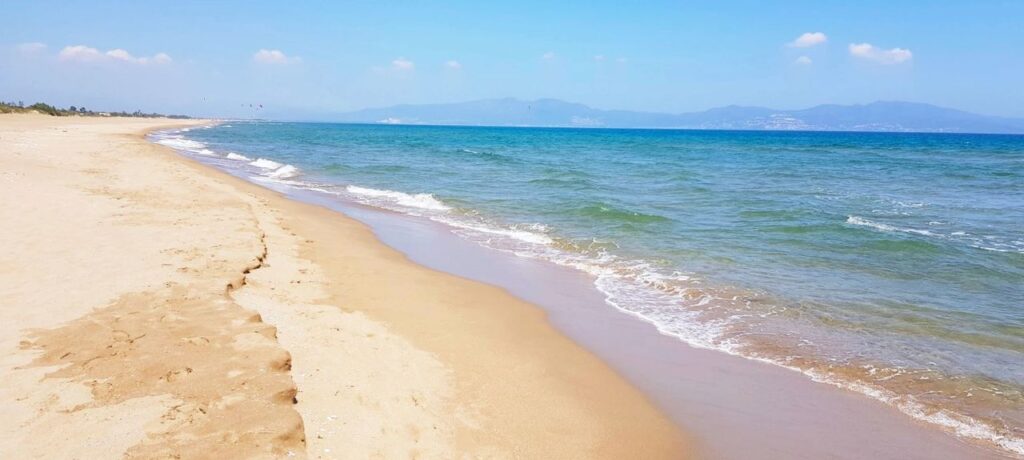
(891,264)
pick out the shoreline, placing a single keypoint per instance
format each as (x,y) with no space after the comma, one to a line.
(574,368)
(695,307)
(663,383)
(483,354)
(733,407)
(434,364)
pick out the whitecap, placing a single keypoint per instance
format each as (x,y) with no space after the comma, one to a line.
(854,220)
(182,144)
(237,157)
(284,172)
(418,200)
(266,164)
(521,235)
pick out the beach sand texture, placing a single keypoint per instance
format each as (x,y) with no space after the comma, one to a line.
(152,307)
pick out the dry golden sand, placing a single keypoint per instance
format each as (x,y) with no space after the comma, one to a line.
(151,307)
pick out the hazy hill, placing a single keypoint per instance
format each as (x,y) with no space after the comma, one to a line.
(877,116)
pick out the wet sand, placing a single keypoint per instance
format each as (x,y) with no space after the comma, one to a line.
(155,307)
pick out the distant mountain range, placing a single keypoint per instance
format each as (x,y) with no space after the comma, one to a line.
(887,116)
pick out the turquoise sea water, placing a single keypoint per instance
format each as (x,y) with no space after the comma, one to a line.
(891,264)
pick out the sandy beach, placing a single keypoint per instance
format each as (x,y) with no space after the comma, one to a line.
(157,308)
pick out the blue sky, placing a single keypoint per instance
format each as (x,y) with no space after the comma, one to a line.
(205,58)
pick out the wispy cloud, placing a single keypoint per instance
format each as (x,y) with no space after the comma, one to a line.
(599,58)
(274,57)
(402,64)
(82,53)
(453,64)
(808,39)
(872,53)
(549,56)
(803,60)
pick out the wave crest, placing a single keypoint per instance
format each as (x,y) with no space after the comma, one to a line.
(284,172)
(418,200)
(860,221)
(607,212)
(237,157)
(264,163)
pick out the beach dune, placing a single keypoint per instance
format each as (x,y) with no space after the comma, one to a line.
(152,307)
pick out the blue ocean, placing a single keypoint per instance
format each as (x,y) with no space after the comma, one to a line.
(889,264)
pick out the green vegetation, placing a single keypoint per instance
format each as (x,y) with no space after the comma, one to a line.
(45,108)
(41,107)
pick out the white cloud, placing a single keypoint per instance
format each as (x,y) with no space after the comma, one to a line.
(31,48)
(82,53)
(265,56)
(879,55)
(550,55)
(599,58)
(808,39)
(161,58)
(803,60)
(453,64)
(120,54)
(402,64)
(621,60)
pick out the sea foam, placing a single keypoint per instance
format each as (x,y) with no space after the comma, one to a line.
(284,172)
(182,144)
(985,242)
(854,220)
(237,157)
(514,233)
(266,164)
(418,200)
